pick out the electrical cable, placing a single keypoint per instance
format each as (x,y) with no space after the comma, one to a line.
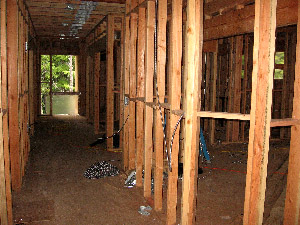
(168,152)
(114,134)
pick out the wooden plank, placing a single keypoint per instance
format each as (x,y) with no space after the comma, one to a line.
(110,81)
(12,56)
(174,93)
(223,5)
(87,88)
(96,93)
(4,105)
(230,87)
(132,88)
(292,200)
(237,85)
(192,58)
(264,48)
(207,89)
(233,23)
(245,79)
(149,70)
(4,207)
(120,66)
(158,129)
(140,92)
(214,94)
(126,88)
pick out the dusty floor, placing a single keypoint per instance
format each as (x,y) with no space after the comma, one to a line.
(55,191)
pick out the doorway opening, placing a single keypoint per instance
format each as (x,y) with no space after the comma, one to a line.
(59,85)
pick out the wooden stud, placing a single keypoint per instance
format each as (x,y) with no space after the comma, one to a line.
(4,207)
(110,81)
(174,94)
(149,70)
(158,129)
(230,87)
(207,89)
(192,59)
(126,71)
(132,89)
(292,200)
(4,105)
(245,79)
(12,56)
(87,97)
(237,85)
(121,81)
(140,93)
(258,148)
(96,93)
(214,94)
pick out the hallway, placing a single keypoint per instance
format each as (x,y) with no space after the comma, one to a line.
(54,190)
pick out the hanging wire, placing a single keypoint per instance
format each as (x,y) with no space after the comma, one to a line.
(114,134)
(168,152)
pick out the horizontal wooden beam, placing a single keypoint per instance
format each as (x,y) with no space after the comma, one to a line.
(224,115)
(284,122)
(241,21)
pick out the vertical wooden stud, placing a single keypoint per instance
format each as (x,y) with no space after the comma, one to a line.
(214,94)
(192,58)
(292,200)
(132,88)
(174,95)
(237,85)
(149,70)
(13,109)
(110,81)
(87,88)
(245,79)
(160,79)
(96,93)
(126,55)
(140,93)
(260,116)
(4,106)
(121,81)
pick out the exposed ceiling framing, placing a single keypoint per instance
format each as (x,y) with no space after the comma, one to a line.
(70,18)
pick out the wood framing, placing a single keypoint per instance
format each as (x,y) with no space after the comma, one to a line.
(149,70)
(126,87)
(292,200)
(132,88)
(96,93)
(4,106)
(110,81)
(87,87)
(13,108)
(233,23)
(237,85)
(140,93)
(262,84)
(192,59)
(160,79)
(174,96)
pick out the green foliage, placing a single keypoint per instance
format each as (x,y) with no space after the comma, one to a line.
(60,73)
(60,76)
(278,74)
(279,58)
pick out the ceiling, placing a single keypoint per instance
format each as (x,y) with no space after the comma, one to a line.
(70,18)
